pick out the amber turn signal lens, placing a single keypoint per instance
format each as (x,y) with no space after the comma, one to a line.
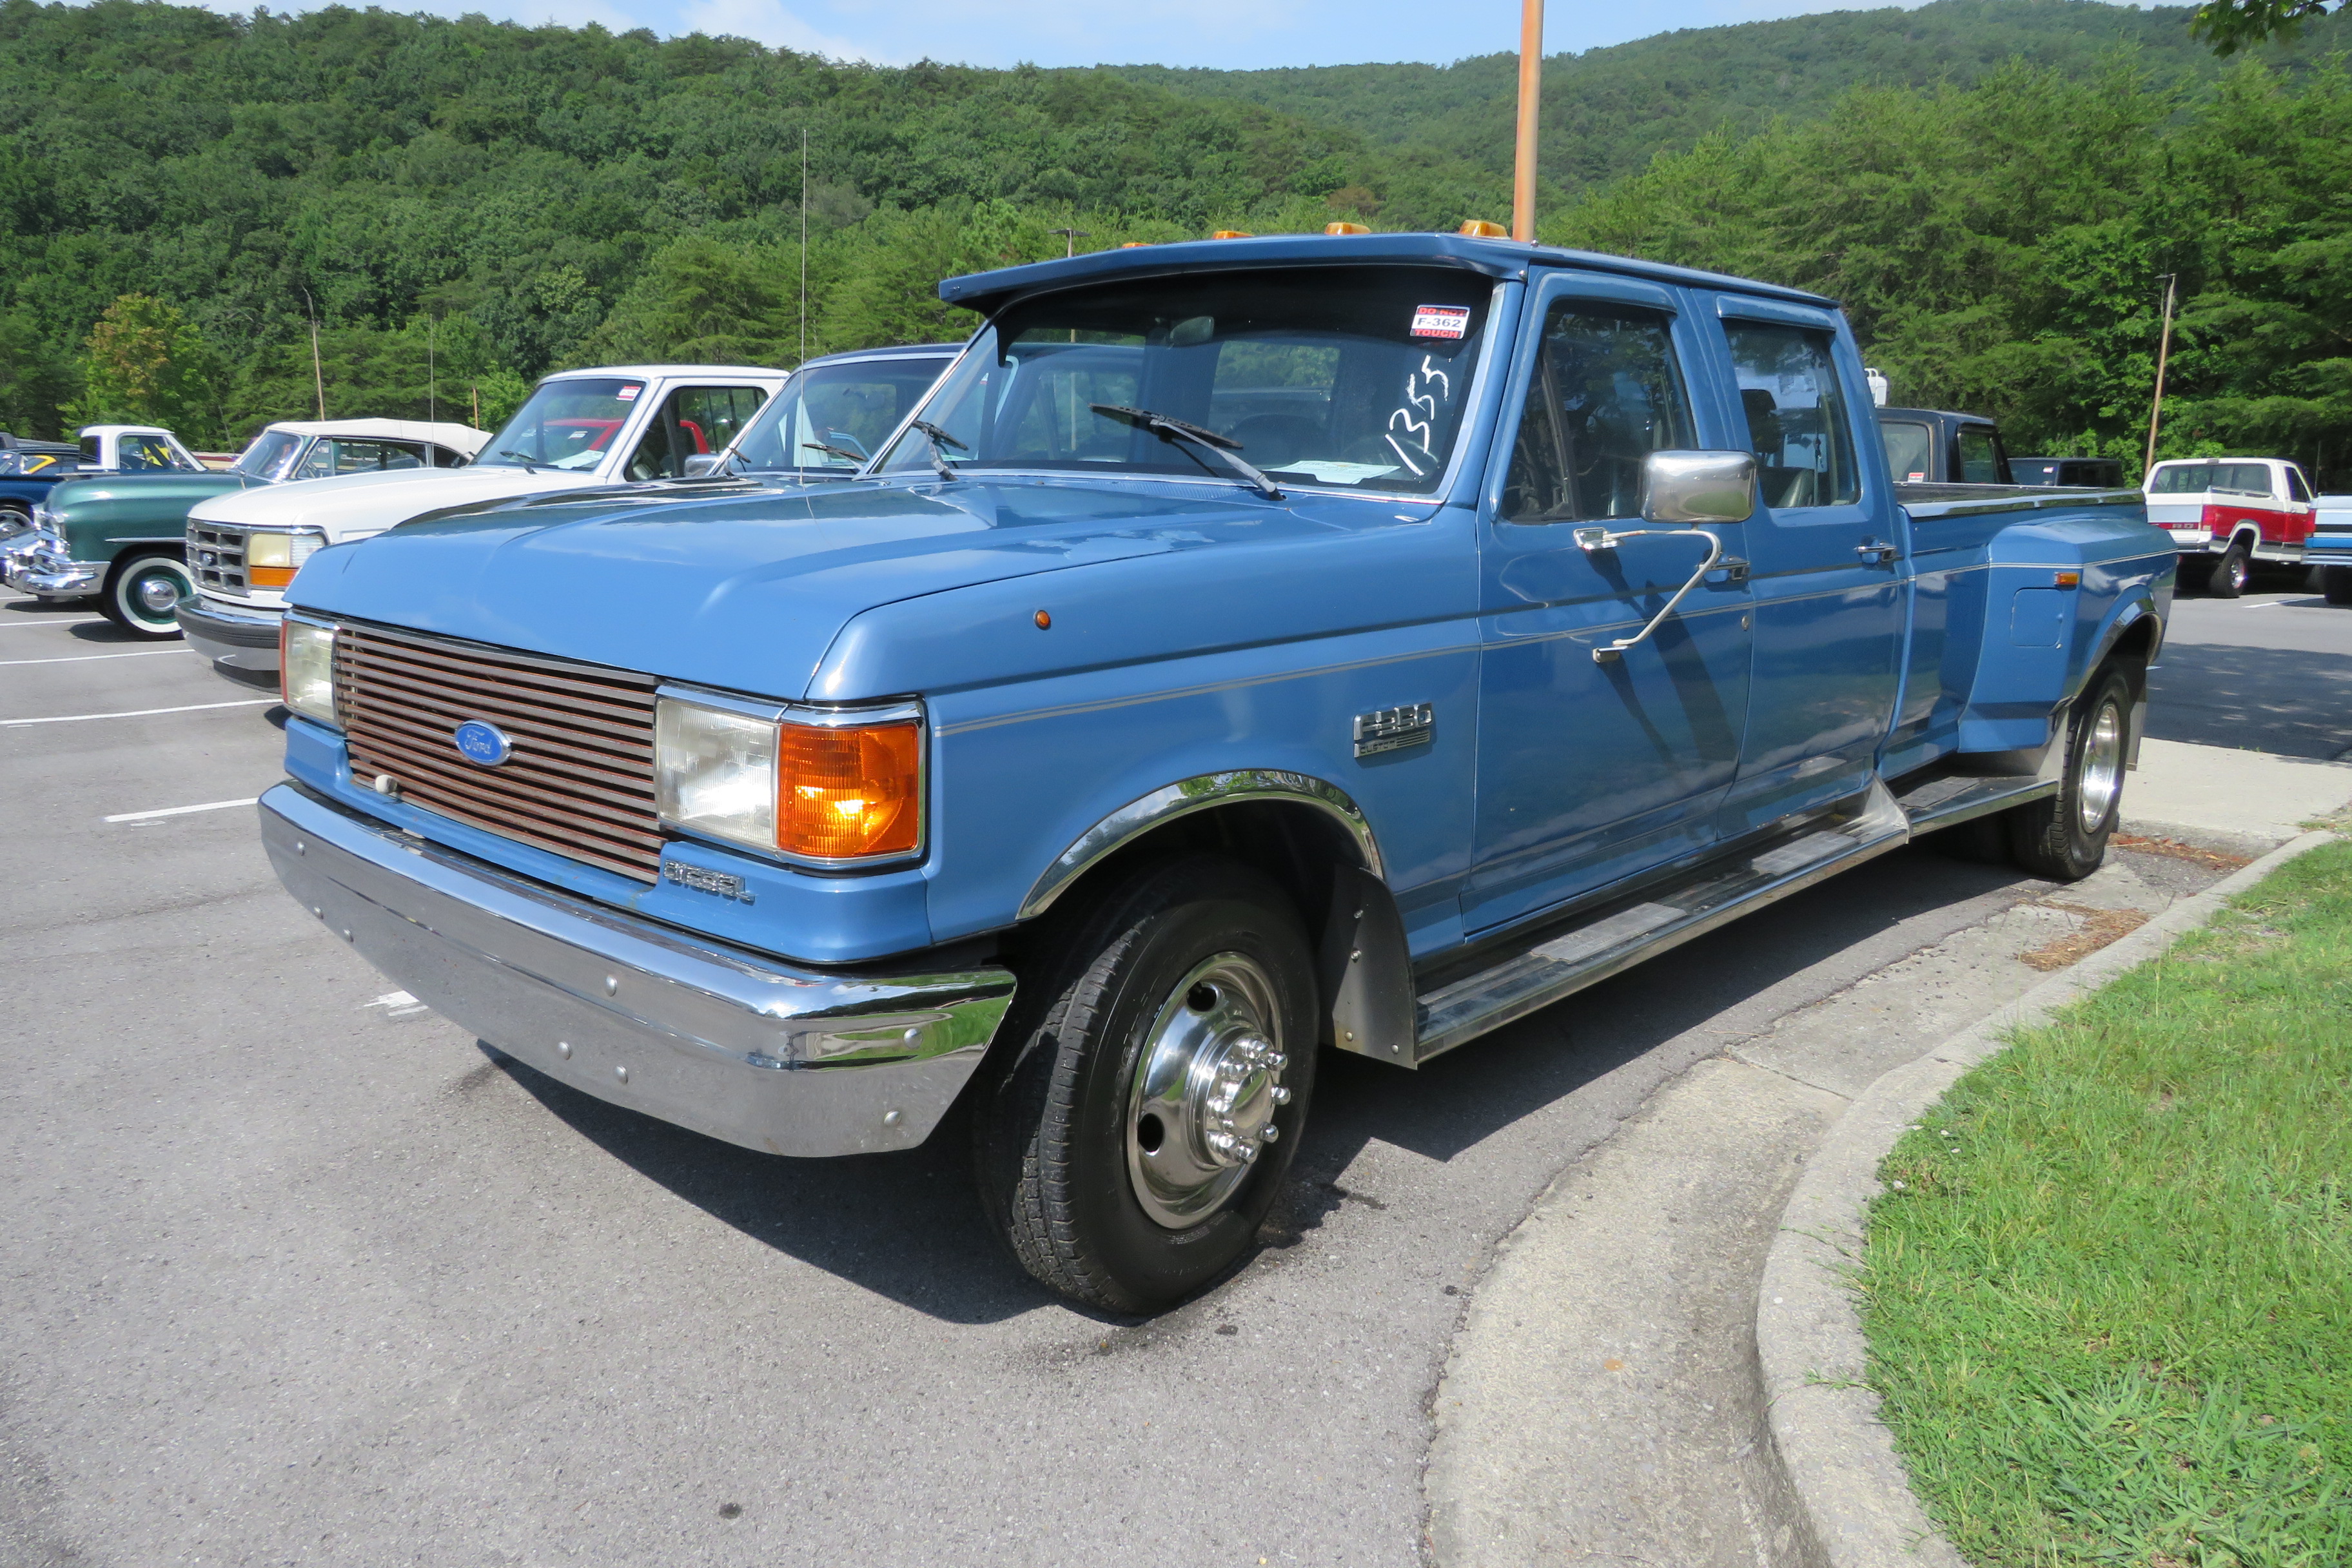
(1484,228)
(849,793)
(270,576)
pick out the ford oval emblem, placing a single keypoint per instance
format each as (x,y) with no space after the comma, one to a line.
(485,745)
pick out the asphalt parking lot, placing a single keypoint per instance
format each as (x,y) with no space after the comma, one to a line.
(300,1272)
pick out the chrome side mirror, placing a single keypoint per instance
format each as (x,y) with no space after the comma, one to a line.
(701,465)
(1699,486)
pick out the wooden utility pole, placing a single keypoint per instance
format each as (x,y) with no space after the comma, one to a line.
(318,376)
(2163,352)
(1523,173)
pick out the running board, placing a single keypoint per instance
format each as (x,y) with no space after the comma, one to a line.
(1956,798)
(1722,892)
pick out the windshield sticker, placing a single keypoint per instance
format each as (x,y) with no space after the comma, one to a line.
(629,394)
(1441,321)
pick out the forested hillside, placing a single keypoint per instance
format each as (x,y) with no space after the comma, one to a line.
(462,204)
(1606,113)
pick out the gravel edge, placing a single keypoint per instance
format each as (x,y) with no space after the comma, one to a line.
(1852,1492)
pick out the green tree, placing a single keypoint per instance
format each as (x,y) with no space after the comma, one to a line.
(2234,25)
(144,364)
(704,301)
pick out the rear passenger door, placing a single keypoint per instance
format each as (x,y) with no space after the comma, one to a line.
(1823,548)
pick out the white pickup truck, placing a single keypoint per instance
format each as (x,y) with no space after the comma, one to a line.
(613,424)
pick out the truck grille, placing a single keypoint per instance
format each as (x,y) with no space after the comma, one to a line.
(580,782)
(216,555)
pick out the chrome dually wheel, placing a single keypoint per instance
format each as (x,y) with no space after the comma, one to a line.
(1207,1085)
(1151,1083)
(2101,780)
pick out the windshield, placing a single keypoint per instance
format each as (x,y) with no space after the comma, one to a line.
(853,407)
(567,424)
(268,457)
(1351,377)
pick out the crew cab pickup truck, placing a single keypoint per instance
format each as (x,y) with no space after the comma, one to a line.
(617,423)
(120,538)
(1251,648)
(2226,513)
(1935,446)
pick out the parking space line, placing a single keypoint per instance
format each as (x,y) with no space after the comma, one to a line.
(77,621)
(178,810)
(138,712)
(87,657)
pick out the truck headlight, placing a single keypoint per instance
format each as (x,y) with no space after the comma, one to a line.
(306,669)
(835,788)
(272,558)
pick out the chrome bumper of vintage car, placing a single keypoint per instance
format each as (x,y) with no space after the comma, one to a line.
(778,1056)
(36,560)
(239,639)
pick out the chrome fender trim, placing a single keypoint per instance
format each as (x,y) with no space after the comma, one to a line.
(1184,798)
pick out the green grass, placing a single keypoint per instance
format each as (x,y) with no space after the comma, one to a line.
(2108,1291)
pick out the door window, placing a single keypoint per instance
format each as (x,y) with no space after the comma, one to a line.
(1605,393)
(370,457)
(1906,449)
(1980,457)
(2295,488)
(692,421)
(1795,416)
(149,453)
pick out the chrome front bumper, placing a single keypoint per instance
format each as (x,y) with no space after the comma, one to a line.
(240,639)
(777,1057)
(35,561)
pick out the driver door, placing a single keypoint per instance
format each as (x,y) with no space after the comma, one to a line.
(1592,772)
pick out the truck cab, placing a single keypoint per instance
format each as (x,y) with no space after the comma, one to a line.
(2227,513)
(1250,649)
(1937,446)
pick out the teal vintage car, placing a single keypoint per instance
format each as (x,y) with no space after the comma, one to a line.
(120,538)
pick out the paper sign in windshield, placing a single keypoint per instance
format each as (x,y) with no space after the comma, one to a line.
(628,393)
(1439,321)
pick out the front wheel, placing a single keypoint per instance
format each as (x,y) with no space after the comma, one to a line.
(2065,837)
(2336,584)
(1163,1056)
(143,594)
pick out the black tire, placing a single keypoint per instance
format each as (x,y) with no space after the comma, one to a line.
(132,588)
(2065,838)
(2230,572)
(2336,584)
(1058,1143)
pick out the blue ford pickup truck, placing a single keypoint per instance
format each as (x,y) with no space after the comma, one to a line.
(1250,648)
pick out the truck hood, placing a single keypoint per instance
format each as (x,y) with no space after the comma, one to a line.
(747,592)
(353,506)
(144,489)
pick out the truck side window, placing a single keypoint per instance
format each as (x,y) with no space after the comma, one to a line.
(1980,462)
(2295,488)
(694,420)
(1906,449)
(1795,416)
(1605,394)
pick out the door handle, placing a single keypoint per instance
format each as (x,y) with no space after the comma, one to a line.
(1871,552)
(1733,569)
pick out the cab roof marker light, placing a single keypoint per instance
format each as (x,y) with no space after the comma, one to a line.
(1347,228)
(1481,229)
(1233,233)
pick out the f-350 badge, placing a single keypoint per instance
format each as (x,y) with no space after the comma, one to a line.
(1394,729)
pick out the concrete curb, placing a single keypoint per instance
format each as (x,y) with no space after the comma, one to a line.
(1849,1487)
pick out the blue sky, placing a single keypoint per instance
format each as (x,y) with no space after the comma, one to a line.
(1231,34)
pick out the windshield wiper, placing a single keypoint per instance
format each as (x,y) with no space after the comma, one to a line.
(1168,429)
(831,450)
(940,440)
(529,465)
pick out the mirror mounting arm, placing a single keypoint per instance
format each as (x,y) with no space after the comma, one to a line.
(1592,540)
